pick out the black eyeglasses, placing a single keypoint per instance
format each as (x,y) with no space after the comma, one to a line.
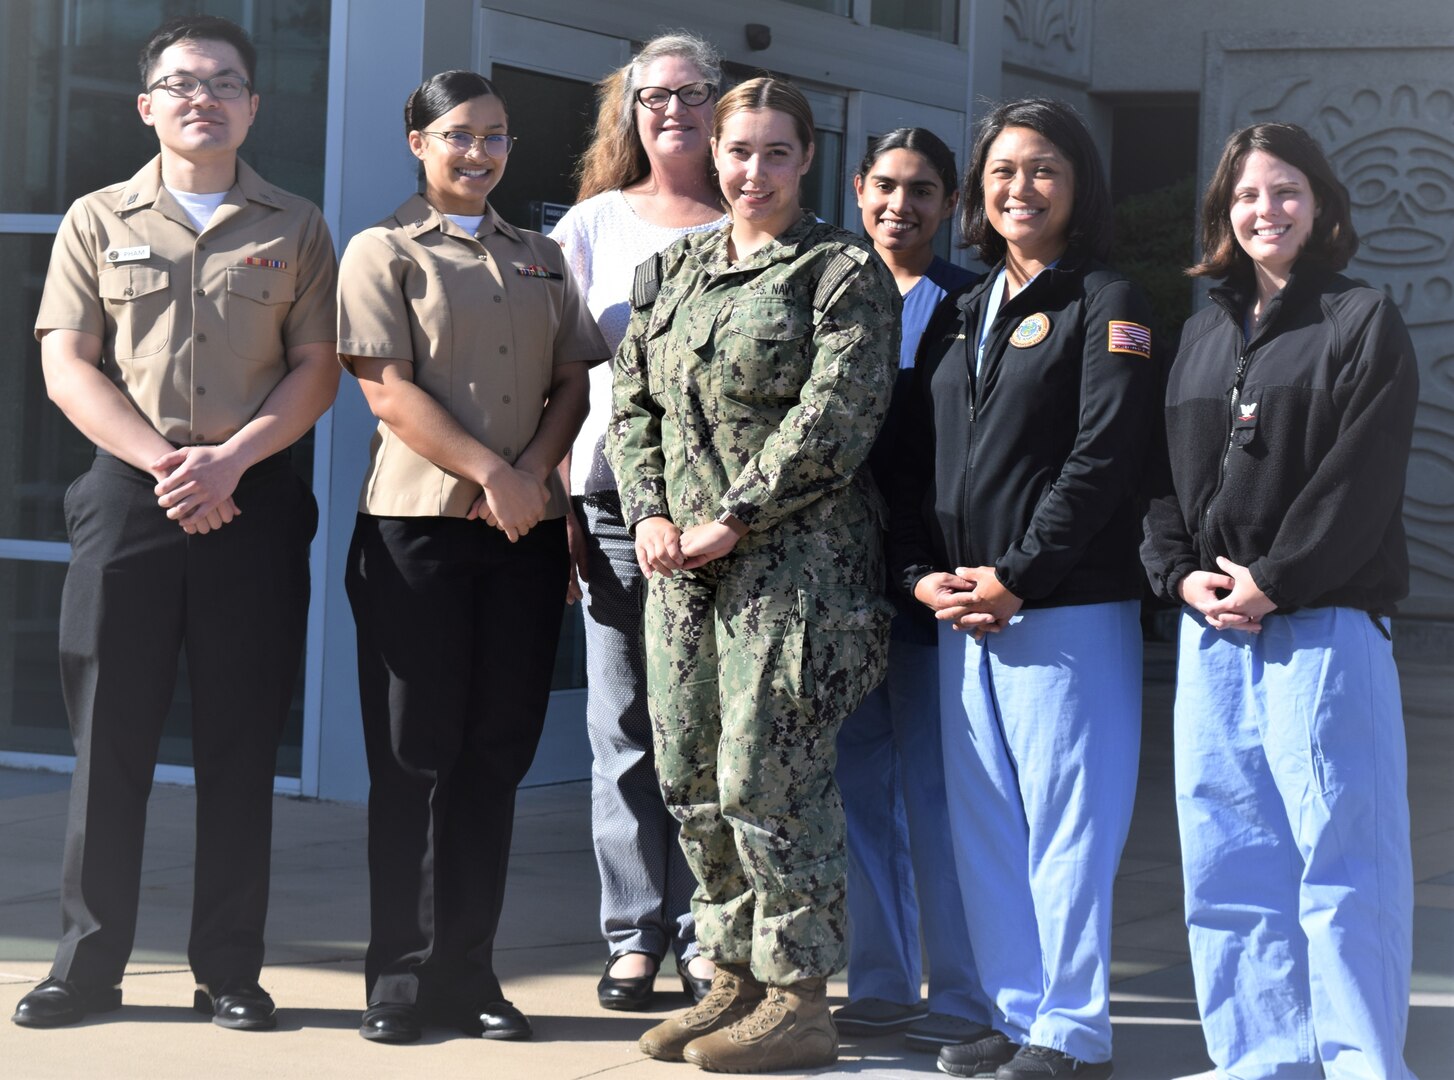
(462,142)
(222,87)
(657,98)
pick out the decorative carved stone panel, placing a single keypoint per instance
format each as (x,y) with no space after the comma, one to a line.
(1383,110)
(1049,37)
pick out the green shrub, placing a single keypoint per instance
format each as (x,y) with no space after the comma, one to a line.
(1155,242)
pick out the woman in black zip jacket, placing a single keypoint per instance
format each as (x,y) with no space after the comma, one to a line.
(1289,414)
(1015,519)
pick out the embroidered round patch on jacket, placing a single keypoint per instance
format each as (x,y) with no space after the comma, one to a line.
(1031,331)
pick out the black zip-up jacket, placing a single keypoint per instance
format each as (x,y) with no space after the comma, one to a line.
(1033,466)
(1288,451)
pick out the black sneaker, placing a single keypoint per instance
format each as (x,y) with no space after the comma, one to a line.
(979,1058)
(1036,1061)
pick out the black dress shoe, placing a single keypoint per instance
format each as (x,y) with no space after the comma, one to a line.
(497,1020)
(55,1003)
(235,1003)
(693,987)
(391,1023)
(628,994)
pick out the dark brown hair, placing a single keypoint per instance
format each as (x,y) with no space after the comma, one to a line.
(197,28)
(1089,231)
(1333,240)
(921,141)
(438,94)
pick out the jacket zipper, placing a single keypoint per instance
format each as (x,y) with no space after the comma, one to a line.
(1234,397)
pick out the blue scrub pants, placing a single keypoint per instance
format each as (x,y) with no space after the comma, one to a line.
(1292,799)
(1042,730)
(900,855)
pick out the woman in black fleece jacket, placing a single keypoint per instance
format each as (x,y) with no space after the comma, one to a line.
(1015,519)
(1289,413)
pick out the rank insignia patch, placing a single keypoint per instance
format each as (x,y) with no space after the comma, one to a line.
(1031,331)
(1129,337)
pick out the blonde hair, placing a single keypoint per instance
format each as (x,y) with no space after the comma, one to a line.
(767,93)
(615,158)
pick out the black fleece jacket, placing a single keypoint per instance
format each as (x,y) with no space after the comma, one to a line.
(1288,452)
(1033,466)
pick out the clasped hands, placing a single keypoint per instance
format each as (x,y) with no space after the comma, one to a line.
(195,485)
(971,598)
(662,548)
(513,501)
(1243,606)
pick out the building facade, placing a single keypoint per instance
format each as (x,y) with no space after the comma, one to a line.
(1377,87)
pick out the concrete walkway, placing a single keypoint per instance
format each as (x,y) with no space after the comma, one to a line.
(551,955)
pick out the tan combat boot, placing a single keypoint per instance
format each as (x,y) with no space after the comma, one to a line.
(791,1029)
(734,994)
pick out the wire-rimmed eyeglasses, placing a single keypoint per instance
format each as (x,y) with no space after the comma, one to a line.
(462,142)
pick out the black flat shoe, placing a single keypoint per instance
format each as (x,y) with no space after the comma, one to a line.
(56,1003)
(240,1004)
(627,994)
(391,1023)
(497,1020)
(693,987)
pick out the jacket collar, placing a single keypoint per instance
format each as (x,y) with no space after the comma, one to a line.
(782,248)
(417,216)
(146,189)
(1069,265)
(1235,294)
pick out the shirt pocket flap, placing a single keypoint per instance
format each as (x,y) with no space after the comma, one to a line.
(260,284)
(772,319)
(130,282)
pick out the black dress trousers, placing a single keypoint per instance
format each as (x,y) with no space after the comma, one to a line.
(457,633)
(138,590)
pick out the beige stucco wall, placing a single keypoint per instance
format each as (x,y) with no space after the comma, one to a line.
(1141,45)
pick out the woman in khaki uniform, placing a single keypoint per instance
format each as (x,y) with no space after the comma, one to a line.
(471,343)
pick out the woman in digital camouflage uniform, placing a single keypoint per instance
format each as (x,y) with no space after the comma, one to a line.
(752,381)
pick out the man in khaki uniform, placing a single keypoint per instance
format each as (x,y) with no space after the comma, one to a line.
(187,329)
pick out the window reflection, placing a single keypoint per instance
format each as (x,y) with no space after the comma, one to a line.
(930,18)
(40,452)
(68,89)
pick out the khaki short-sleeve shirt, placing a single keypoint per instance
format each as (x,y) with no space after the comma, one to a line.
(483,319)
(194,328)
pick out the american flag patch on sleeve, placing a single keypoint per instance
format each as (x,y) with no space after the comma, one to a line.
(1129,337)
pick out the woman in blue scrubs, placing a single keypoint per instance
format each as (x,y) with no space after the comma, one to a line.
(890,766)
(1016,520)
(1289,414)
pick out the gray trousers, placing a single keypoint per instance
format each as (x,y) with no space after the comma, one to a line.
(646,885)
